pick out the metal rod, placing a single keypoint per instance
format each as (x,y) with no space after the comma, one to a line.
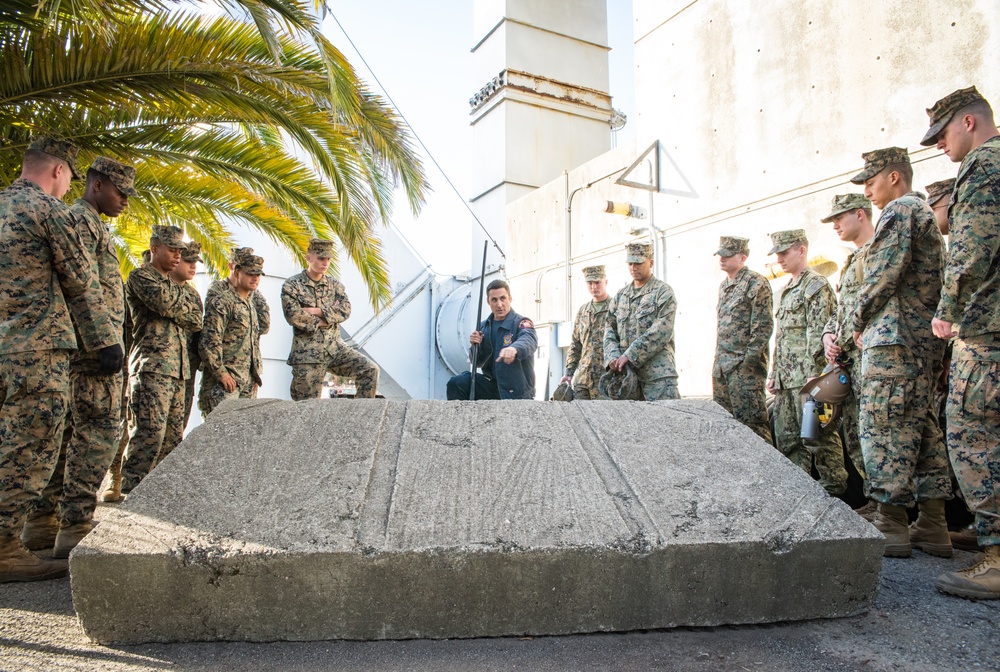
(479,320)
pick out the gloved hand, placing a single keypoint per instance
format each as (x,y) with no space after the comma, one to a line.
(111,360)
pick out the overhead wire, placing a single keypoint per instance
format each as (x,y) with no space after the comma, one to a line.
(430,155)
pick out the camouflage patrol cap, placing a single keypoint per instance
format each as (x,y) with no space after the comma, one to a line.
(945,109)
(171,236)
(876,161)
(938,190)
(638,252)
(321,248)
(730,245)
(121,174)
(594,273)
(620,385)
(251,265)
(191,252)
(59,149)
(846,203)
(564,392)
(146,256)
(783,240)
(238,255)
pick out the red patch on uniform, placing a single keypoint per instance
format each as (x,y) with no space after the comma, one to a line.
(525,324)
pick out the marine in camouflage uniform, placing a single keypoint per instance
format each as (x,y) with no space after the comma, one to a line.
(259,302)
(315,307)
(804,307)
(183,274)
(743,336)
(585,360)
(230,344)
(45,273)
(163,313)
(840,327)
(905,457)
(962,124)
(95,417)
(640,330)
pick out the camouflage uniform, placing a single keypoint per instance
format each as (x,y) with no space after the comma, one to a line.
(317,350)
(641,326)
(230,343)
(585,360)
(45,272)
(804,307)
(163,313)
(905,458)
(744,333)
(969,299)
(94,422)
(841,325)
(191,253)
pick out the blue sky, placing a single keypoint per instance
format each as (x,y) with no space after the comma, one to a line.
(422,59)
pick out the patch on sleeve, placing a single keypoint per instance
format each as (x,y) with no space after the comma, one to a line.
(525,324)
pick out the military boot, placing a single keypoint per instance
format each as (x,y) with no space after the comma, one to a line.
(19,564)
(69,537)
(113,493)
(979,582)
(39,532)
(868,510)
(893,523)
(929,532)
(966,539)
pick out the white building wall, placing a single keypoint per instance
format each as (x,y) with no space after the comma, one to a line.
(762,111)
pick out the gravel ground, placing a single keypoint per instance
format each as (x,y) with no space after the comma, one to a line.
(911,627)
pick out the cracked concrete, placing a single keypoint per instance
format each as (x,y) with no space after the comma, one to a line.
(381,520)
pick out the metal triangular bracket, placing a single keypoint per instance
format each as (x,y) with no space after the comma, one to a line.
(655,186)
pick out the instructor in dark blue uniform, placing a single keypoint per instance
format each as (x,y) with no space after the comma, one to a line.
(507,345)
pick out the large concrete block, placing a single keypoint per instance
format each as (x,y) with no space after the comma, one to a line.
(373,519)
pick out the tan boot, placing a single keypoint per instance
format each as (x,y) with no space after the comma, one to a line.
(892,522)
(966,539)
(979,582)
(868,510)
(39,532)
(114,490)
(929,532)
(19,564)
(69,537)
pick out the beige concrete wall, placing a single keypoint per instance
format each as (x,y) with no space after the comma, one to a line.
(763,110)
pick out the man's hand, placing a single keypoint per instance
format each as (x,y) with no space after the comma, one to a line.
(830,347)
(228,382)
(313,311)
(476,337)
(565,379)
(507,355)
(110,360)
(942,329)
(770,385)
(618,364)
(857,339)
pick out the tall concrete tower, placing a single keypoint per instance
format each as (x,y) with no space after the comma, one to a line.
(543,107)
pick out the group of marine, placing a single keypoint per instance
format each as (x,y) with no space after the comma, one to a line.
(68,322)
(914,317)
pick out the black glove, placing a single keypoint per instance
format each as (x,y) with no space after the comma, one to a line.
(110,359)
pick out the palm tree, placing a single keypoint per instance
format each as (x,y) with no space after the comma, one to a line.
(229,122)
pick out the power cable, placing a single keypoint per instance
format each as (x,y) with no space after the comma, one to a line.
(447,179)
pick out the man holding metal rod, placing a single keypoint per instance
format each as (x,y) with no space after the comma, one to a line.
(505,345)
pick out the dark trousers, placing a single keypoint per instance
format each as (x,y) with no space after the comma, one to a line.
(458,387)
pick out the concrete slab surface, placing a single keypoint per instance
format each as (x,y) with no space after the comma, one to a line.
(370,519)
